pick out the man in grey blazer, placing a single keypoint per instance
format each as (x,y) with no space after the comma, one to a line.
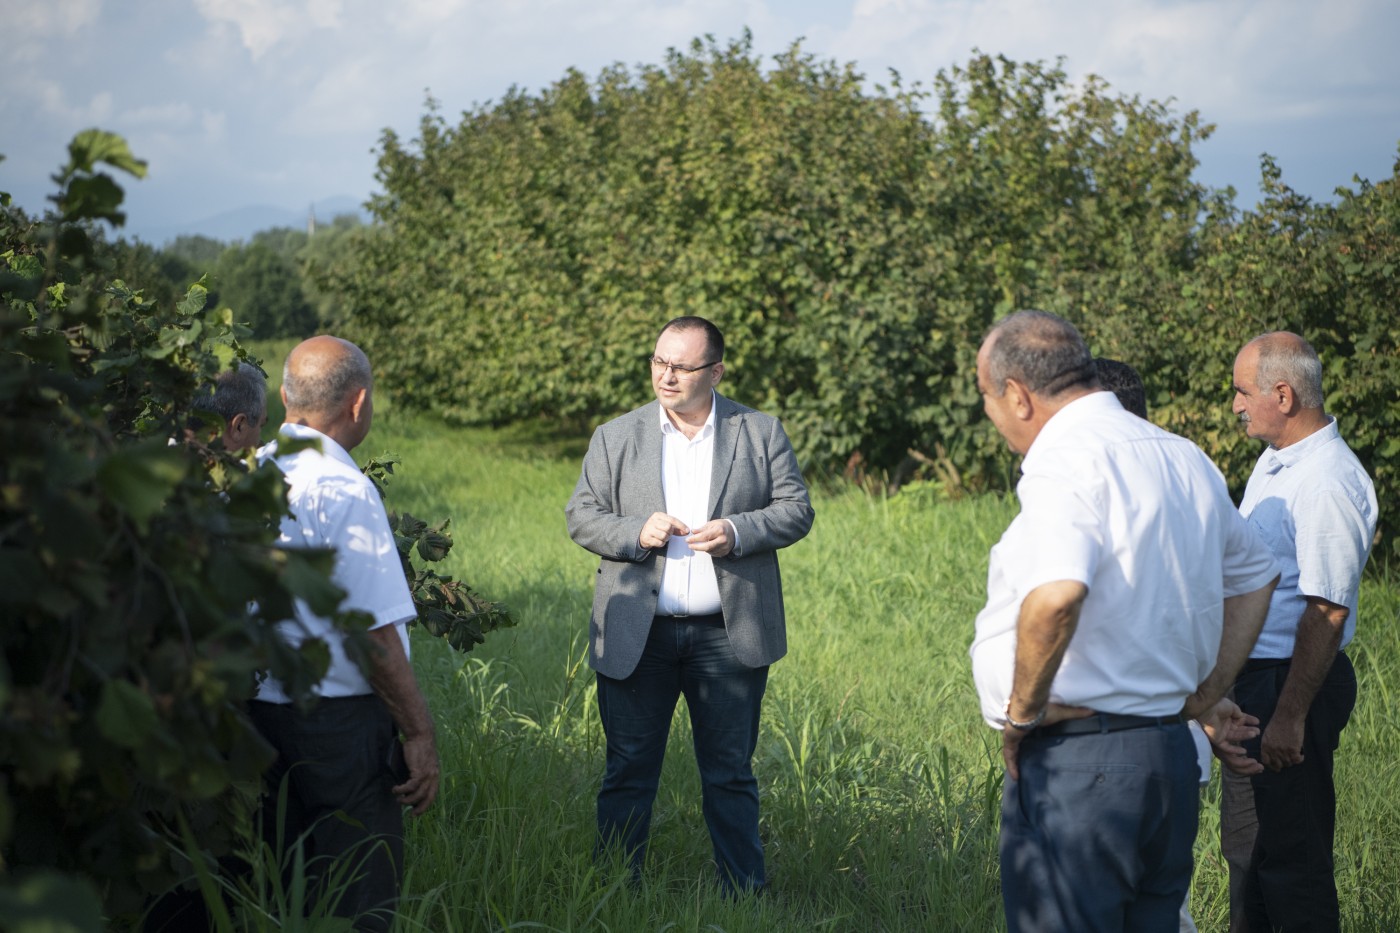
(686,500)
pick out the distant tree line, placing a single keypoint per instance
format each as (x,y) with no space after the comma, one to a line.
(270,282)
(853,243)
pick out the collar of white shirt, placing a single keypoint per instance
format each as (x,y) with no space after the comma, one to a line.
(668,427)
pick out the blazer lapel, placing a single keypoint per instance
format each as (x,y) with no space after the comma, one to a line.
(648,440)
(727,417)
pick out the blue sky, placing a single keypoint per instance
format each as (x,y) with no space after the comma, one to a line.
(281,102)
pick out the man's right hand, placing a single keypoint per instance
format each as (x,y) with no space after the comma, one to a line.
(1226,725)
(420,790)
(659,528)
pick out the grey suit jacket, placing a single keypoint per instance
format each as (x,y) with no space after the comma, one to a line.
(755,483)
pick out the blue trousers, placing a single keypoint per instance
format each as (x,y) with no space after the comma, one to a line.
(1096,835)
(688,657)
(1277,828)
(336,764)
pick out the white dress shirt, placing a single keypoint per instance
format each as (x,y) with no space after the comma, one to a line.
(688,585)
(1144,520)
(334,505)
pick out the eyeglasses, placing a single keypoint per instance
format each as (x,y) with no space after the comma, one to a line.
(659,365)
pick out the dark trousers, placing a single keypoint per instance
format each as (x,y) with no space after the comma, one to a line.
(690,657)
(1097,834)
(335,764)
(1276,828)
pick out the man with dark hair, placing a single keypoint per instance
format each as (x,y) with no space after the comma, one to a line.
(239,396)
(1109,618)
(687,500)
(345,772)
(1125,383)
(1311,500)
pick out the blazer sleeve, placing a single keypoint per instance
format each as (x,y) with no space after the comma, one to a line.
(594,511)
(788,514)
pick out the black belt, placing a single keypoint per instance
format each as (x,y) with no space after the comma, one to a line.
(711,618)
(1105,722)
(1255,665)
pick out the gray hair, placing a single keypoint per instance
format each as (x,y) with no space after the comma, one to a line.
(1287,358)
(1041,350)
(322,388)
(241,390)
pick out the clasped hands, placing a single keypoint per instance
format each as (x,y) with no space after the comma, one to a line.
(712,538)
(1227,726)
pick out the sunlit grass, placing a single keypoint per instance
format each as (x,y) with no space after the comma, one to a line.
(880,784)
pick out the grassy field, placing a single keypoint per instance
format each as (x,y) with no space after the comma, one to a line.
(879,782)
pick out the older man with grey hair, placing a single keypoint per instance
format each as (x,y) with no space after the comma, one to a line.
(239,396)
(1312,502)
(1122,598)
(346,772)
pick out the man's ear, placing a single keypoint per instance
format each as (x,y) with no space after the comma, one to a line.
(1021,402)
(1287,401)
(357,404)
(282,391)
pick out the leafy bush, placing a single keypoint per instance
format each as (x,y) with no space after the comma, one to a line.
(139,579)
(853,244)
(128,562)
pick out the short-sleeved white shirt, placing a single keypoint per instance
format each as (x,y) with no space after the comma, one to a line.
(334,505)
(1143,519)
(1314,506)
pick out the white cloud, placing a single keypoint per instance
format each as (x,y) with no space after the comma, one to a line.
(263,24)
(54,102)
(50,18)
(1256,59)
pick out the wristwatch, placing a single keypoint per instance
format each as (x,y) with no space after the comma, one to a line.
(1029,724)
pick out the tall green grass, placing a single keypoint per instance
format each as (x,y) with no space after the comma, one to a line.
(880,784)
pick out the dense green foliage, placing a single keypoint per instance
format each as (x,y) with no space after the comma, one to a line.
(139,580)
(853,244)
(130,564)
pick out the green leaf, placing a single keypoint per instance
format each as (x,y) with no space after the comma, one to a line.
(92,147)
(194,300)
(139,479)
(93,198)
(49,902)
(125,715)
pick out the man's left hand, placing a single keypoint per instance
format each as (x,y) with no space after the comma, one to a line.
(712,538)
(1282,744)
(1011,737)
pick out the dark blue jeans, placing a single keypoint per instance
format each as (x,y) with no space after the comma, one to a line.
(335,762)
(690,657)
(1277,828)
(1096,835)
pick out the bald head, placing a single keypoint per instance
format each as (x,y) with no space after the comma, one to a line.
(326,385)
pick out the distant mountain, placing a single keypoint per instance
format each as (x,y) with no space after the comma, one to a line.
(242,223)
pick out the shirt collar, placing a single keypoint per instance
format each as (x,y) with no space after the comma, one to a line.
(1279,458)
(329,447)
(1065,421)
(705,429)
